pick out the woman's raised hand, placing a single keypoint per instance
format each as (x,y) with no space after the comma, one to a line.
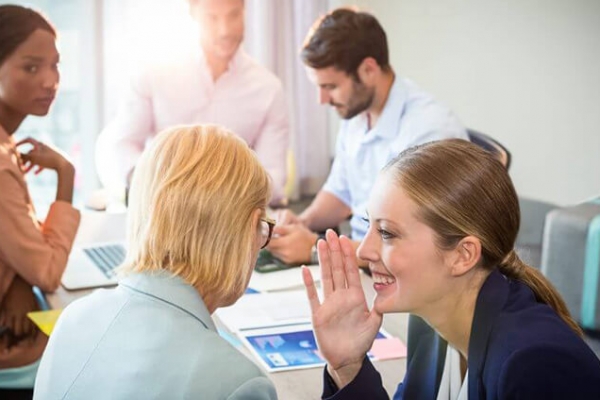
(42,156)
(344,327)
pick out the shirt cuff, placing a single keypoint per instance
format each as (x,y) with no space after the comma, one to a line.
(366,385)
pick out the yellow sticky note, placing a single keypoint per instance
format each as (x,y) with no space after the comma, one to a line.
(45,320)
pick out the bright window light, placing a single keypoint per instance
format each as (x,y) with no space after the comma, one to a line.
(151,30)
(138,33)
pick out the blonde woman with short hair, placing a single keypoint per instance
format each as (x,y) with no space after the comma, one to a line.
(196,223)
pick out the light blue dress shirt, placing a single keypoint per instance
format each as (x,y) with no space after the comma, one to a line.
(410,117)
(150,338)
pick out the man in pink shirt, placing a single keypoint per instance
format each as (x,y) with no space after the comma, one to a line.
(220,84)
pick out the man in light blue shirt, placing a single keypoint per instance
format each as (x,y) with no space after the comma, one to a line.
(346,56)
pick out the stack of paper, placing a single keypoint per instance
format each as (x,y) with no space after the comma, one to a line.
(283,279)
(265,310)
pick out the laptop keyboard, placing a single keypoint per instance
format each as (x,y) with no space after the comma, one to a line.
(106,257)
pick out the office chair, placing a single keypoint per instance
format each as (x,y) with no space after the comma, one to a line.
(493,146)
(40,297)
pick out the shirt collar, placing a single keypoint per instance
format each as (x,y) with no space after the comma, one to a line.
(235,64)
(172,290)
(388,124)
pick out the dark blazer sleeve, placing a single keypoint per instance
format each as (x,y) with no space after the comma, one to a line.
(366,385)
(550,372)
(426,355)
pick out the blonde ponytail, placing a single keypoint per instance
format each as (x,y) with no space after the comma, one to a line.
(513,267)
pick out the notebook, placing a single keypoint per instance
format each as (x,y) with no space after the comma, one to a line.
(93,266)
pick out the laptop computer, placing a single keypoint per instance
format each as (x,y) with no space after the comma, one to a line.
(93,266)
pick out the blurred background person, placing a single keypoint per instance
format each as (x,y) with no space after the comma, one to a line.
(217,83)
(346,56)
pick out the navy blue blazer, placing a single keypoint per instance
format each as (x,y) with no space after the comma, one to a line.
(519,349)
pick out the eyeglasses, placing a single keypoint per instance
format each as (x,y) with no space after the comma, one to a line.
(266,230)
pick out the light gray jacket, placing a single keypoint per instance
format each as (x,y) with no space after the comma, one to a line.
(150,338)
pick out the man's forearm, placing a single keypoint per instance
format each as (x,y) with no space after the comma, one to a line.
(326,211)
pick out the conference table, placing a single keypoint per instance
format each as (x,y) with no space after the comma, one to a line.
(298,384)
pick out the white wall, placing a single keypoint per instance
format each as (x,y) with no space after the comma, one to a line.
(526,72)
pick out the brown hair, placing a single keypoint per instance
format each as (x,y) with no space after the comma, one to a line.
(463,191)
(16,25)
(343,39)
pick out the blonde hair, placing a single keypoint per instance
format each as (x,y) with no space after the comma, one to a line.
(461,190)
(192,198)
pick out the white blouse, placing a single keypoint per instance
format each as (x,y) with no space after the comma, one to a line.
(451,386)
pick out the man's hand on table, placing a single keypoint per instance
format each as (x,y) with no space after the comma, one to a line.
(286,217)
(292,243)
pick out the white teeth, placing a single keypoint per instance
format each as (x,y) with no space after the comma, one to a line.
(383,279)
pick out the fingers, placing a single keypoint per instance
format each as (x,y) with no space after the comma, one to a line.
(285,217)
(26,162)
(292,243)
(28,159)
(16,326)
(20,326)
(350,263)
(311,290)
(376,319)
(30,327)
(43,156)
(337,260)
(325,263)
(30,141)
(279,240)
(282,230)
(27,167)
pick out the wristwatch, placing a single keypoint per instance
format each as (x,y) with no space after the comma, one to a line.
(314,255)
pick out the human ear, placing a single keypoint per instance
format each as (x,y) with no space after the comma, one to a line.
(465,256)
(367,70)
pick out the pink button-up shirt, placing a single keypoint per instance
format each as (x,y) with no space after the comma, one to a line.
(247,99)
